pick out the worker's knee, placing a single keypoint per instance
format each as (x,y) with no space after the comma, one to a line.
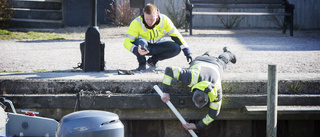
(141,42)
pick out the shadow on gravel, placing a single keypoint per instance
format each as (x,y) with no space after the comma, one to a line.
(259,40)
(47,41)
(61,74)
(282,47)
(78,74)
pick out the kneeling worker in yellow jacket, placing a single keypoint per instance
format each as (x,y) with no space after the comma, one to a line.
(145,37)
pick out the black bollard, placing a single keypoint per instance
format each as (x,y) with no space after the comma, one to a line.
(92,49)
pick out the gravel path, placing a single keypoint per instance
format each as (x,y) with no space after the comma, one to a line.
(255,49)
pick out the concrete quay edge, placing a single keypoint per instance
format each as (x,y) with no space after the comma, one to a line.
(148,76)
(72,82)
(44,92)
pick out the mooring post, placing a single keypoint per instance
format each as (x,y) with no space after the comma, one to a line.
(272,101)
(93,48)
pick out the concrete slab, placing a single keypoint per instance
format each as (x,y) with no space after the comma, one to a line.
(73,82)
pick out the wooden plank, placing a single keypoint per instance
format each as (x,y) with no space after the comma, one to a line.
(38,5)
(96,100)
(285,109)
(237,1)
(242,6)
(240,13)
(148,101)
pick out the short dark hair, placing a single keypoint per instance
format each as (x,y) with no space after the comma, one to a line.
(200,98)
(150,8)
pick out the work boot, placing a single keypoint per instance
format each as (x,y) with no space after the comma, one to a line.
(141,67)
(206,53)
(233,57)
(151,62)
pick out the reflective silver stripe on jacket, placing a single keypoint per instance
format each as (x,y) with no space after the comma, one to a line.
(207,120)
(195,75)
(130,37)
(176,72)
(132,47)
(133,38)
(141,24)
(167,80)
(215,105)
(161,21)
(173,30)
(155,40)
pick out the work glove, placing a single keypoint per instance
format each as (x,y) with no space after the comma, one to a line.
(187,53)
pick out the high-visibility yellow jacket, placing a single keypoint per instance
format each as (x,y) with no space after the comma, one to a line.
(203,76)
(138,29)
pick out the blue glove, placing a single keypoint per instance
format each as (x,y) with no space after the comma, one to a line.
(187,53)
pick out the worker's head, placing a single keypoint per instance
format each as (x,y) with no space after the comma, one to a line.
(150,14)
(200,98)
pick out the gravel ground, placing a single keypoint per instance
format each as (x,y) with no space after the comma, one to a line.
(254,48)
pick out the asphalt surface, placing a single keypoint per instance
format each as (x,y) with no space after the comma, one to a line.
(255,50)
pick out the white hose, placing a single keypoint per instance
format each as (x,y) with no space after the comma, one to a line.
(174,110)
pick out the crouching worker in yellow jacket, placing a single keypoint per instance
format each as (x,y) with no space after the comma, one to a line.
(204,78)
(145,37)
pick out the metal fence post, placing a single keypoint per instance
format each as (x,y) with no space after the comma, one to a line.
(272,101)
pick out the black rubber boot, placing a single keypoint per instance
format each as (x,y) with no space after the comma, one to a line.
(206,53)
(233,57)
(151,62)
(141,67)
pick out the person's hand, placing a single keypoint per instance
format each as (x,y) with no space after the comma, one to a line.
(189,126)
(187,53)
(142,51)
(166,97)
(189,58)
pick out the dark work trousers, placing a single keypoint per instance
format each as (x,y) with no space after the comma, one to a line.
(161,50)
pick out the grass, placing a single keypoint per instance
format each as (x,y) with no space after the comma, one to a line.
(5,34)
(16,71)
(35,71)
(39,70)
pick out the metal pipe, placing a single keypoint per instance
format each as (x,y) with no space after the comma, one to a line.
(93,13)
(11,105)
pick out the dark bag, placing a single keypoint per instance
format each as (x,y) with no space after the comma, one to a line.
(102,62)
